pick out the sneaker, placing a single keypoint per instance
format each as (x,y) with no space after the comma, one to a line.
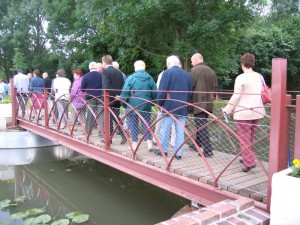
(123,141)
(157,152)
(247,169)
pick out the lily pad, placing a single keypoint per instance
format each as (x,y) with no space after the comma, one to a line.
(71,215)
(19,215)
(81,218)
(61,222)
(20,199)
(30,221)
(5,203)
(35,211)
(42,219)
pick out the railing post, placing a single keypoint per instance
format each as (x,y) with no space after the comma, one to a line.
(278,155)
(297,129)
(13,103)
(46,108)
(106,120)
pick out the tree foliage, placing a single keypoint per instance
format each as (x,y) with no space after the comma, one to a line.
(53,34)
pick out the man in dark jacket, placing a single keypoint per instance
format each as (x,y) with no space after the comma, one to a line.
(204,80)
(92,85)
(113,79)
(174,79)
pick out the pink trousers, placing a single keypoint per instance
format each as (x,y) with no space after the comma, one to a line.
(246,130)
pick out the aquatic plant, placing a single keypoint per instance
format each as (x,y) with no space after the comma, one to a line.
(75,217)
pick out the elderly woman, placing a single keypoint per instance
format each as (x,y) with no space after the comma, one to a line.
(77,96)
(61,87)
(140,80)
(247,108)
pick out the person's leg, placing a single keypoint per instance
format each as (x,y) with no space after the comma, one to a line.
(89,116)
(165,132)
(158,126)
(202,136)
(133,123)
(245,133)
(179,135)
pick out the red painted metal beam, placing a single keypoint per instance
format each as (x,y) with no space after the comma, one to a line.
(187,188)
(278,157)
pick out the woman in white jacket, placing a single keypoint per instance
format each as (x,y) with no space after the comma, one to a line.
(247,108)
(61,87)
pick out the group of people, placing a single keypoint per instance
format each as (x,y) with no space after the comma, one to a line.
(175,90)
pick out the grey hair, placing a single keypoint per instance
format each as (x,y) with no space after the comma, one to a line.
(93,66)
(173,60)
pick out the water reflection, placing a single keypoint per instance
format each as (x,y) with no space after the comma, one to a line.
(80,184)
(21,148)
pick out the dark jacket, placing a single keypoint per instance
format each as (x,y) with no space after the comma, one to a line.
(48,84)
(175,79)
(140,80)
(204,79)
(112,78)
(92,84)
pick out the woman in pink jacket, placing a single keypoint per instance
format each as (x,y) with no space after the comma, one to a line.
(247,108)
(77,96)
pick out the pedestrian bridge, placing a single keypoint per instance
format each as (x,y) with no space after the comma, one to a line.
(194,177)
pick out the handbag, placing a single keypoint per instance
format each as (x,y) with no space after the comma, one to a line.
(265,92)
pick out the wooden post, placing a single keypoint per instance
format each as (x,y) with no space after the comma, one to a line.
(278,156)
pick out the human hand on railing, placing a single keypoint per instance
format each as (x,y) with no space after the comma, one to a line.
(225,115)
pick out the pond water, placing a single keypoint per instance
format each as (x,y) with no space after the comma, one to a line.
(80,184)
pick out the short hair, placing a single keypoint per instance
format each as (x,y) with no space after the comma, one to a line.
(107,59)
(93,66)
(78,72)
(20,71)
(198,56)
(61,73)
(173,60)
(116,64)
(248,60)
(139,65)
(36,72)
(99,66)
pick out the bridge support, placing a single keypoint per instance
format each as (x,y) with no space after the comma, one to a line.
(279,132)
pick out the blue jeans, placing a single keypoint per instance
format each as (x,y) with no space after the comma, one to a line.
(166,130)
(133,122)
(62,104)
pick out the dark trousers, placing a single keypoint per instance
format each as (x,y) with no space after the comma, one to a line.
(202,136)
(112,119)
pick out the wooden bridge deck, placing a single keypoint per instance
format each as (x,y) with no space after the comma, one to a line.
(252,185)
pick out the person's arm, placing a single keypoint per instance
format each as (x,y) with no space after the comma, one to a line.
(106,84)
(238,89)
(163,86)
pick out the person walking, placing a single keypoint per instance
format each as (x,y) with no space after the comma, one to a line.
(113,80)
(204,81)
(247,108)
(91,84)
(36,88)
(21,84)
(77,98)
(178,83)
(61,87)
(145,90)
